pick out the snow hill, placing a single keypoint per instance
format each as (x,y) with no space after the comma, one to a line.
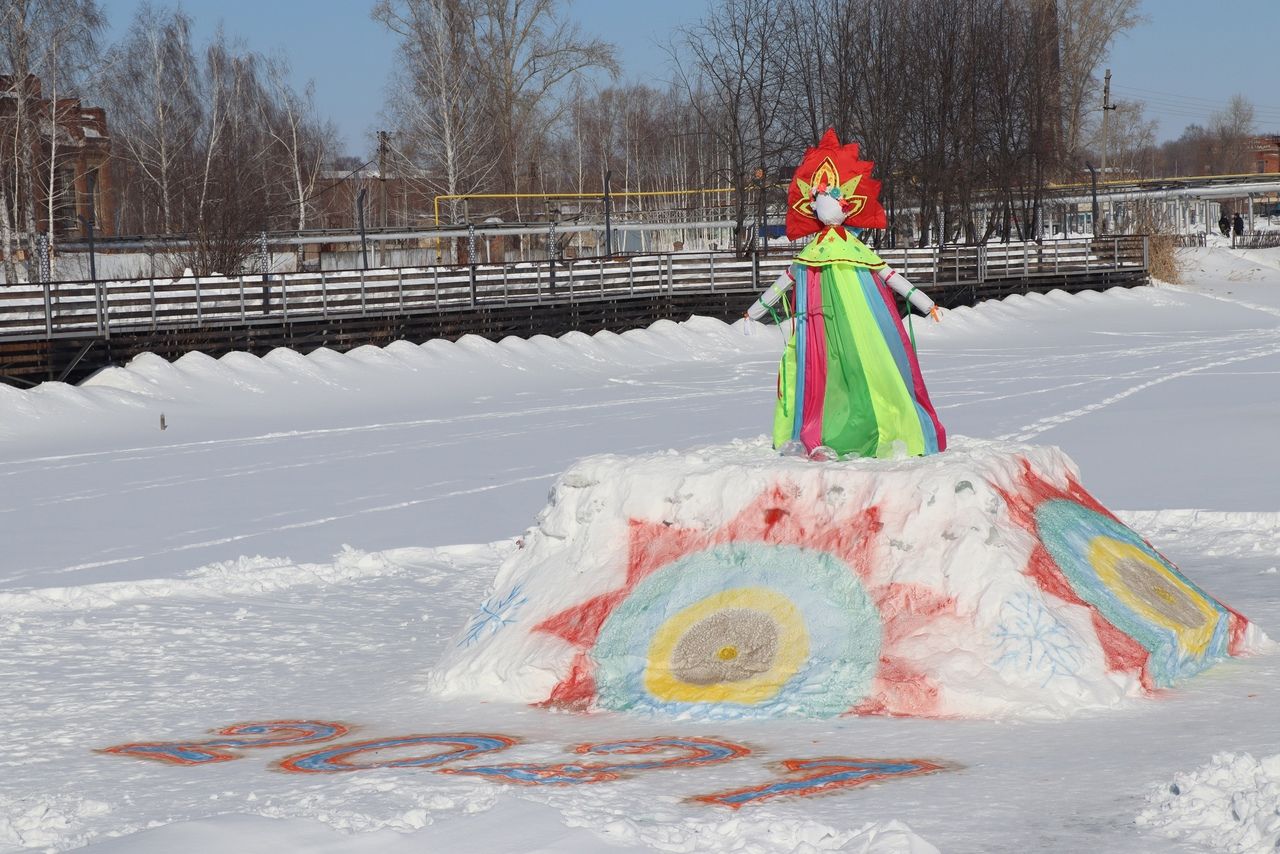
(731,582)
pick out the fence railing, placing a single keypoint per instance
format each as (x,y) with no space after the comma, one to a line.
(1258,240)
(66,309)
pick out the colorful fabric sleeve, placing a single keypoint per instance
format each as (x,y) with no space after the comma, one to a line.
(902,285)
(770,297)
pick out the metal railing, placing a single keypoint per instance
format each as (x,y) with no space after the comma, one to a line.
(78,309)
(1257,240)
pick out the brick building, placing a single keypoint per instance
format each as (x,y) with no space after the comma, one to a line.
(1264,154)
(75,138)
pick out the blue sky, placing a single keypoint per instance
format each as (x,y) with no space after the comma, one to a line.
(1186,61)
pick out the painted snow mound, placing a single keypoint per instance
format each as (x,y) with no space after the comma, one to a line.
(731,582)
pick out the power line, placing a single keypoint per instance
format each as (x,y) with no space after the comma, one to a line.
(1178,96)
(1201,113)
(1196,107)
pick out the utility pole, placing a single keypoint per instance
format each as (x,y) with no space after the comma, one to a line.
(1107,107)
(382,187)
(382,172)
(608,216)
(1094,175)
(762,228)
(264,261)
(364,247)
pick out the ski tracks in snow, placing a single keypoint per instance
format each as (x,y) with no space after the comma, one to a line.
(1155,375)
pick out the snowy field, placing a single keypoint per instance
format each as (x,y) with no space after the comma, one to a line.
(308,535)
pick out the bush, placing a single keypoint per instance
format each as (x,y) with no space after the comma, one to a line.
(1162,258)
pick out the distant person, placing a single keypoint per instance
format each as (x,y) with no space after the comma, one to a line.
(1237,225)
(1224,224)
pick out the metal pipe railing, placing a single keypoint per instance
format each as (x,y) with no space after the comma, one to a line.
(199,300)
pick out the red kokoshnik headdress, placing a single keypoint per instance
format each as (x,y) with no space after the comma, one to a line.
(827,168)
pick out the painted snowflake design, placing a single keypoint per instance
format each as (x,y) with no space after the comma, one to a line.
(1031,637)
(495,613)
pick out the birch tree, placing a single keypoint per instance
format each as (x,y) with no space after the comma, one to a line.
(54,42)
(524,53)
(152,88)
(739,51)
(301,140)
(1087,30)
(437,104)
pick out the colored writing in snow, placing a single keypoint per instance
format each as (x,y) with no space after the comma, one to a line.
(815,776)
(432,752)
(696,752)
(233,738)
(342,757)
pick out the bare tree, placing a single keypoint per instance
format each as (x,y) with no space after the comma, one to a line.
(437,104)
(1087,30)
(1233,127)
(49,41)
(869,107)
(739,52)
(217,149)
(239,190)
(1131,137)
(524,53)
(152,87)
(301,141)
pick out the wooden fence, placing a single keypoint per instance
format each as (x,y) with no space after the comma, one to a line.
(46,327)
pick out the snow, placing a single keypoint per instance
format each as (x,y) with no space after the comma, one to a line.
(160,584)
(912,585)
(1231,804)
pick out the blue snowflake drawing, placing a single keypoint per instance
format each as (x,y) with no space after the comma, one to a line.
(493,615)
(1036,640)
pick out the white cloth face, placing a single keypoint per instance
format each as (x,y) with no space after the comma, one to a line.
(828,210)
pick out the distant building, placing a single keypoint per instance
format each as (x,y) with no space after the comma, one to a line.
(1264,153)
(75,138)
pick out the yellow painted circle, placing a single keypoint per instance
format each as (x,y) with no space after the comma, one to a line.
(767,668)
(1146,585)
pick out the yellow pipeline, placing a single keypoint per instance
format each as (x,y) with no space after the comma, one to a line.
(600,195)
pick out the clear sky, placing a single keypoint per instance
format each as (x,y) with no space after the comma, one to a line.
(1191,56)
(1185,61)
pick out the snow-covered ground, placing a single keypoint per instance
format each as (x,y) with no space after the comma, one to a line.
(286,549)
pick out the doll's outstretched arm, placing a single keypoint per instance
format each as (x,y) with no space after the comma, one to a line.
(902,285)
(770,297)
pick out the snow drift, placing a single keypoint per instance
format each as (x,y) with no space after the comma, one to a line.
(1231,804)
(731,582)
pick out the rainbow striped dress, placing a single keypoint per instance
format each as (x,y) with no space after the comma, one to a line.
(849,377)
